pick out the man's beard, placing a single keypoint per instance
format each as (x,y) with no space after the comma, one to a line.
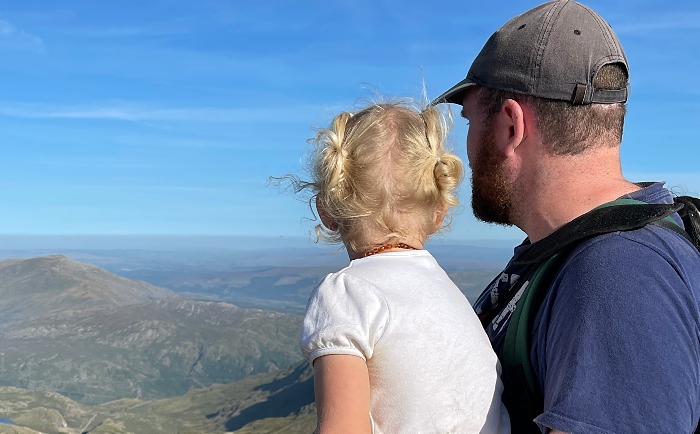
(491,191)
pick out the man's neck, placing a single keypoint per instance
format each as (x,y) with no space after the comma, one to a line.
(566,187)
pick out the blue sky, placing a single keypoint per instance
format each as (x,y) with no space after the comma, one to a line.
(167,117)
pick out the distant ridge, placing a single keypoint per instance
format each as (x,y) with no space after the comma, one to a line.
(55,283)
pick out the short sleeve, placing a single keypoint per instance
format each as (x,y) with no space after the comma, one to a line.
(620,352)
(344,315)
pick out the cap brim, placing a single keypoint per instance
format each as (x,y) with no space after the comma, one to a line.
(454,95)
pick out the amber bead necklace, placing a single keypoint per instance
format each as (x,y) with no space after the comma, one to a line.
(386,247)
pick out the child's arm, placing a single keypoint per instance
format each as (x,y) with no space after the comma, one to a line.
(341,384)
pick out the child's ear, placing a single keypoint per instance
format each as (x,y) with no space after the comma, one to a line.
(440,214)
(327,221)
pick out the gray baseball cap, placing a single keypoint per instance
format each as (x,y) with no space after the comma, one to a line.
(552,51)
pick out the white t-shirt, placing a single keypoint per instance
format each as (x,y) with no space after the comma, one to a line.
(431,366)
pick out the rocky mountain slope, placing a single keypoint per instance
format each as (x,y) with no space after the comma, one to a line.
(96,337)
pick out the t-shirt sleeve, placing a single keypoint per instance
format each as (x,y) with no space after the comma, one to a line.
(621,344)
(344,315)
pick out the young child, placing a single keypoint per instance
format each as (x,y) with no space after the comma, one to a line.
(395,346)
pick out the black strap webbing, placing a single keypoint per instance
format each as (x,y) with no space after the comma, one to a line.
(620,215)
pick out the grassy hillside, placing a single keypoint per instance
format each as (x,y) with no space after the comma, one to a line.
(281,402)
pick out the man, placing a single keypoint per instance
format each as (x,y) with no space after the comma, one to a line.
(615,343)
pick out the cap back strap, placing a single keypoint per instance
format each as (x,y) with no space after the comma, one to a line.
(587,94)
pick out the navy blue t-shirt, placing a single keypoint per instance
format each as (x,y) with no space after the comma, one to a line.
(616,342)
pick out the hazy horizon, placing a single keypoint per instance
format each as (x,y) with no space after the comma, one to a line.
(203,242)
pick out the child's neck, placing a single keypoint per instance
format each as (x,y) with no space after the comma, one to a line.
(379,247)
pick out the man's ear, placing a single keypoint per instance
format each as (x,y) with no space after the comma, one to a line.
(510,126)
(326,219)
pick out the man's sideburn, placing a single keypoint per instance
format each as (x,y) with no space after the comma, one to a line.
(491,191)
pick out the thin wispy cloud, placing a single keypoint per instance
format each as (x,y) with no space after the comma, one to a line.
(671,22)
(183,114)
(80,163)
(144,186)
(14,38)
(116,32)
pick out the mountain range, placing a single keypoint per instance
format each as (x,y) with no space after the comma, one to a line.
(95,337)
(270,277)
(83,350)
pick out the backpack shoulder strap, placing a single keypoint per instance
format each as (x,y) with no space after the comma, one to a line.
(687,206)
(618,215)
(690,214)
(522,395)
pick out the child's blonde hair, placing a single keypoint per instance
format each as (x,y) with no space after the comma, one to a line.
(382,173)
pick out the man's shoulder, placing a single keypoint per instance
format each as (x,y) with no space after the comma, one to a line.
(622,302)
(651,243)
(618,304)
(618,265)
